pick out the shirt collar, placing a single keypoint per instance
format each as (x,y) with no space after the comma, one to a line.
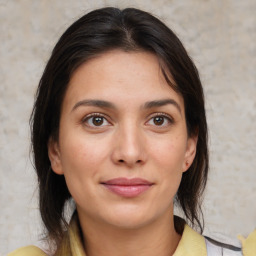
(191,243)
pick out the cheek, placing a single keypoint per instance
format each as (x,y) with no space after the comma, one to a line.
(169,152)
(82,155)
(168,156)
(81,162)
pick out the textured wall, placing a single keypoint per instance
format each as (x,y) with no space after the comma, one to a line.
(220,36)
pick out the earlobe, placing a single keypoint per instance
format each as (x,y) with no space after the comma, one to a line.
(190,152)
(54,156)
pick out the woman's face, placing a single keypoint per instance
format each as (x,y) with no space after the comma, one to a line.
(123,142)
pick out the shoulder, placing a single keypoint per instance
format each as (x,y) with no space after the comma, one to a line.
(191,243)
(249,244)
(28,251)
(194,244)
(215,247)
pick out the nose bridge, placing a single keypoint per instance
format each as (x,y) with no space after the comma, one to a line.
(129,148)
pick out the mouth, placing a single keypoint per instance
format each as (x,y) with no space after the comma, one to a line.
(128,187)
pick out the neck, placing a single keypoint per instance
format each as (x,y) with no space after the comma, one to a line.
(157,238)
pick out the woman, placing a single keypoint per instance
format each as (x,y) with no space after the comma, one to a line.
(119,127)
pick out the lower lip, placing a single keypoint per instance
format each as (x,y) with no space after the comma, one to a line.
(128,191)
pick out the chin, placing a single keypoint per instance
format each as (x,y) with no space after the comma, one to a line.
(130,222)
(130,219)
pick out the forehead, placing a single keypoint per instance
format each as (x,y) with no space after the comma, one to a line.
(121,76)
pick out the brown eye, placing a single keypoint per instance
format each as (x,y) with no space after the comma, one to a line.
(158,120)
(96,120)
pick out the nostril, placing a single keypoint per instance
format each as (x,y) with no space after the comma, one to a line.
(122,161)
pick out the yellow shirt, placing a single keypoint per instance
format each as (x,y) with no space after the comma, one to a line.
(191,244)
(249,244)
(28,251)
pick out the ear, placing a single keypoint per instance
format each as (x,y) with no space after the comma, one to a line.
(190,152)
(54,156)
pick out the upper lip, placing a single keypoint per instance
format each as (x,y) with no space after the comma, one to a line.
(127,182)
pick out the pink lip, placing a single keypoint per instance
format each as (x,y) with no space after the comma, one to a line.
(127,187)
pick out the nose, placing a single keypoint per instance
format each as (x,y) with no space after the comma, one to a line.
(129,147)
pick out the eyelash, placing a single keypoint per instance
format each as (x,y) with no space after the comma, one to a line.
(164,115)
(88,117)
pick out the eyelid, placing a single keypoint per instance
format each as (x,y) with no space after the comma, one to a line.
(169,117)
(95,114)
(161,114)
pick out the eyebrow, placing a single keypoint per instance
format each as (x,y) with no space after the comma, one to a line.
(160,103)
(107,104)
(95,103)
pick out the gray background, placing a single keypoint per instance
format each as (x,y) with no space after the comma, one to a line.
(220,35)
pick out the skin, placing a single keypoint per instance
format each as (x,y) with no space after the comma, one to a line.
(131,139)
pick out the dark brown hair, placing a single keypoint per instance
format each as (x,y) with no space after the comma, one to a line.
(93,34)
